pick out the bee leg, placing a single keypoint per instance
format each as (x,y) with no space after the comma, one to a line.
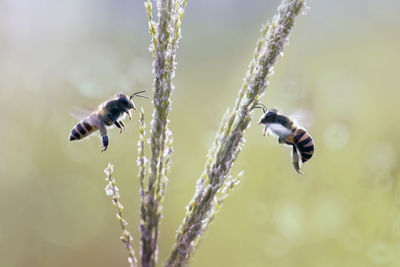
(119,126)
(281,140)
(123,125)
(103,133)
(265,131)
(296,160)
(129,114)
(105,143)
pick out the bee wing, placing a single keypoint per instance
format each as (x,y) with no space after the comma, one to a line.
(278,129)
(302,117)
(80,113)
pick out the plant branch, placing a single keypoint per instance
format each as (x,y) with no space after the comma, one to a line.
(230,137)
(113,191)
(165,34)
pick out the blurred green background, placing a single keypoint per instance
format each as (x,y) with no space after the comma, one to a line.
(342,65)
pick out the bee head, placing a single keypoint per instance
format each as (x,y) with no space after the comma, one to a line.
(268,116)
(125,101)
(138,95)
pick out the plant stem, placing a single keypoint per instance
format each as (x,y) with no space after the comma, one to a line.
(230,137)
(165,38)
(113,191)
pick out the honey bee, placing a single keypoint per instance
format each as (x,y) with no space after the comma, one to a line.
(288,133)
(108,113)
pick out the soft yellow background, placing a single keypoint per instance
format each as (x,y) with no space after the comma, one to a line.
(342,65)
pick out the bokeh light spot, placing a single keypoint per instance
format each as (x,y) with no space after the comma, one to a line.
(88,89)
(336,136)
(328,215)
(293,90)
(383,182)
(289,219)
(381,157)
(379,253)
(276,246)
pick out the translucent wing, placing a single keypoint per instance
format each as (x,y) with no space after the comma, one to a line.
(302,117)
(81,113)
(278,130)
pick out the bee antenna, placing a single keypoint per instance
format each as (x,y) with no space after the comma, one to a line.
(138,95)
(261,106)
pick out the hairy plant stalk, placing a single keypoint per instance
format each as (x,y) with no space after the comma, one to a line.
(113,191)
(165,34)
(213,184)
(141,162)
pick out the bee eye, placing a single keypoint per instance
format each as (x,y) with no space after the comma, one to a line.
(124,101)
(269,114)
(268,117)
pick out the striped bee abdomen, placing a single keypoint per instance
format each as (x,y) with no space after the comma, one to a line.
(304,144)
(82,129)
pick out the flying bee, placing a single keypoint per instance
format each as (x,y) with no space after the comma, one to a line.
(108,113)
(288,133)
